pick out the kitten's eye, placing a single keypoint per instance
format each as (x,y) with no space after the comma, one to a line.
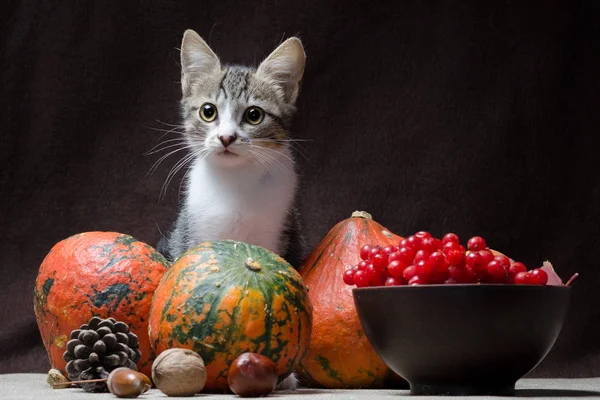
(208,112)
(254,115)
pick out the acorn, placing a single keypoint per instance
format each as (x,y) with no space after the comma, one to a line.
(125,382)
(57,380)
(252,375)
(179,372)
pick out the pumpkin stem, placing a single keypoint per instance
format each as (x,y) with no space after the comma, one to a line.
(253,265)
(361,214)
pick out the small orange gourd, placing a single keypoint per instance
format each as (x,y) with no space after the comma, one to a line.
(339,353)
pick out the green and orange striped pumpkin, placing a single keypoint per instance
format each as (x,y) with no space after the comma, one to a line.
(223,298)
(104,274)
(340,355)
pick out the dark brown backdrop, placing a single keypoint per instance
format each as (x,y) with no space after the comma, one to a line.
(474,117)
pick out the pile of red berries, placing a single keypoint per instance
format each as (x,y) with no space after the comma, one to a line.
(422,259)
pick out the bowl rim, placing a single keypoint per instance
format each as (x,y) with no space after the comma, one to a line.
(459,285)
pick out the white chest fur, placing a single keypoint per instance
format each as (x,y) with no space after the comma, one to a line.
(241,204)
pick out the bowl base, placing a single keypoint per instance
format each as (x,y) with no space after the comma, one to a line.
(451,389)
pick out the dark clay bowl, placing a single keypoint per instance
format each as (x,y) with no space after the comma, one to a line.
(462,339)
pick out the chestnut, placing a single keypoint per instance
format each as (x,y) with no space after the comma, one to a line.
(252,375)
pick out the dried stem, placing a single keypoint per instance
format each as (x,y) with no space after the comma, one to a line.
(78,382)
(572,279)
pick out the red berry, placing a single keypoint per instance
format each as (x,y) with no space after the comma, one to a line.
(387,250)
(496,271)
(455,272)
(468,275)
(449,246)
(431,244)
(396,268)
(382,278)
(476,243)
(475,261)
(479,271)
(437,261)
(379,261)
(365,252)
(406,255)
(420,255)
(409,272)
(374,251)
(406,243)
(393,257)
(362,265)
(522,278)
(450,237)
(349,276)
(538,277)
(503,260)
(372,273)
(487,256)
(417,280)
(455,257)
(414,242)
(391,281)
(423,234)
(480,275)
(439,277)
(450,281)
(423,268)
(361,279)
(514,269)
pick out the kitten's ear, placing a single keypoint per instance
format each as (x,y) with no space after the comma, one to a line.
(197,59)
(284,67)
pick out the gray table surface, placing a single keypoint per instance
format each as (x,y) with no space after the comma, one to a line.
(34,386)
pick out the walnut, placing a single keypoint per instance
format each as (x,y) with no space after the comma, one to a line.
(179,372)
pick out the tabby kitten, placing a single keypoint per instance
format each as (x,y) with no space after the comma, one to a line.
(242,180)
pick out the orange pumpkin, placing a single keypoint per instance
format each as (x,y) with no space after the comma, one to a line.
(339,354)
(225,298)
(104,274)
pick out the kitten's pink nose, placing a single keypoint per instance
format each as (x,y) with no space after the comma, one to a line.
(227,139)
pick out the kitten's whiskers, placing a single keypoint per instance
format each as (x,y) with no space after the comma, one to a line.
(176,168)
(293,143)
(178,129)
(276,152)
(167,124)
(160,160)
(155,150)
(269,160)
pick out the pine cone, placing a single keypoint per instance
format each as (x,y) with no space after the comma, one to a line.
(97,348)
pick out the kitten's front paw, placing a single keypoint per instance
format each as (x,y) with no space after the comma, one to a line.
(289,383)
